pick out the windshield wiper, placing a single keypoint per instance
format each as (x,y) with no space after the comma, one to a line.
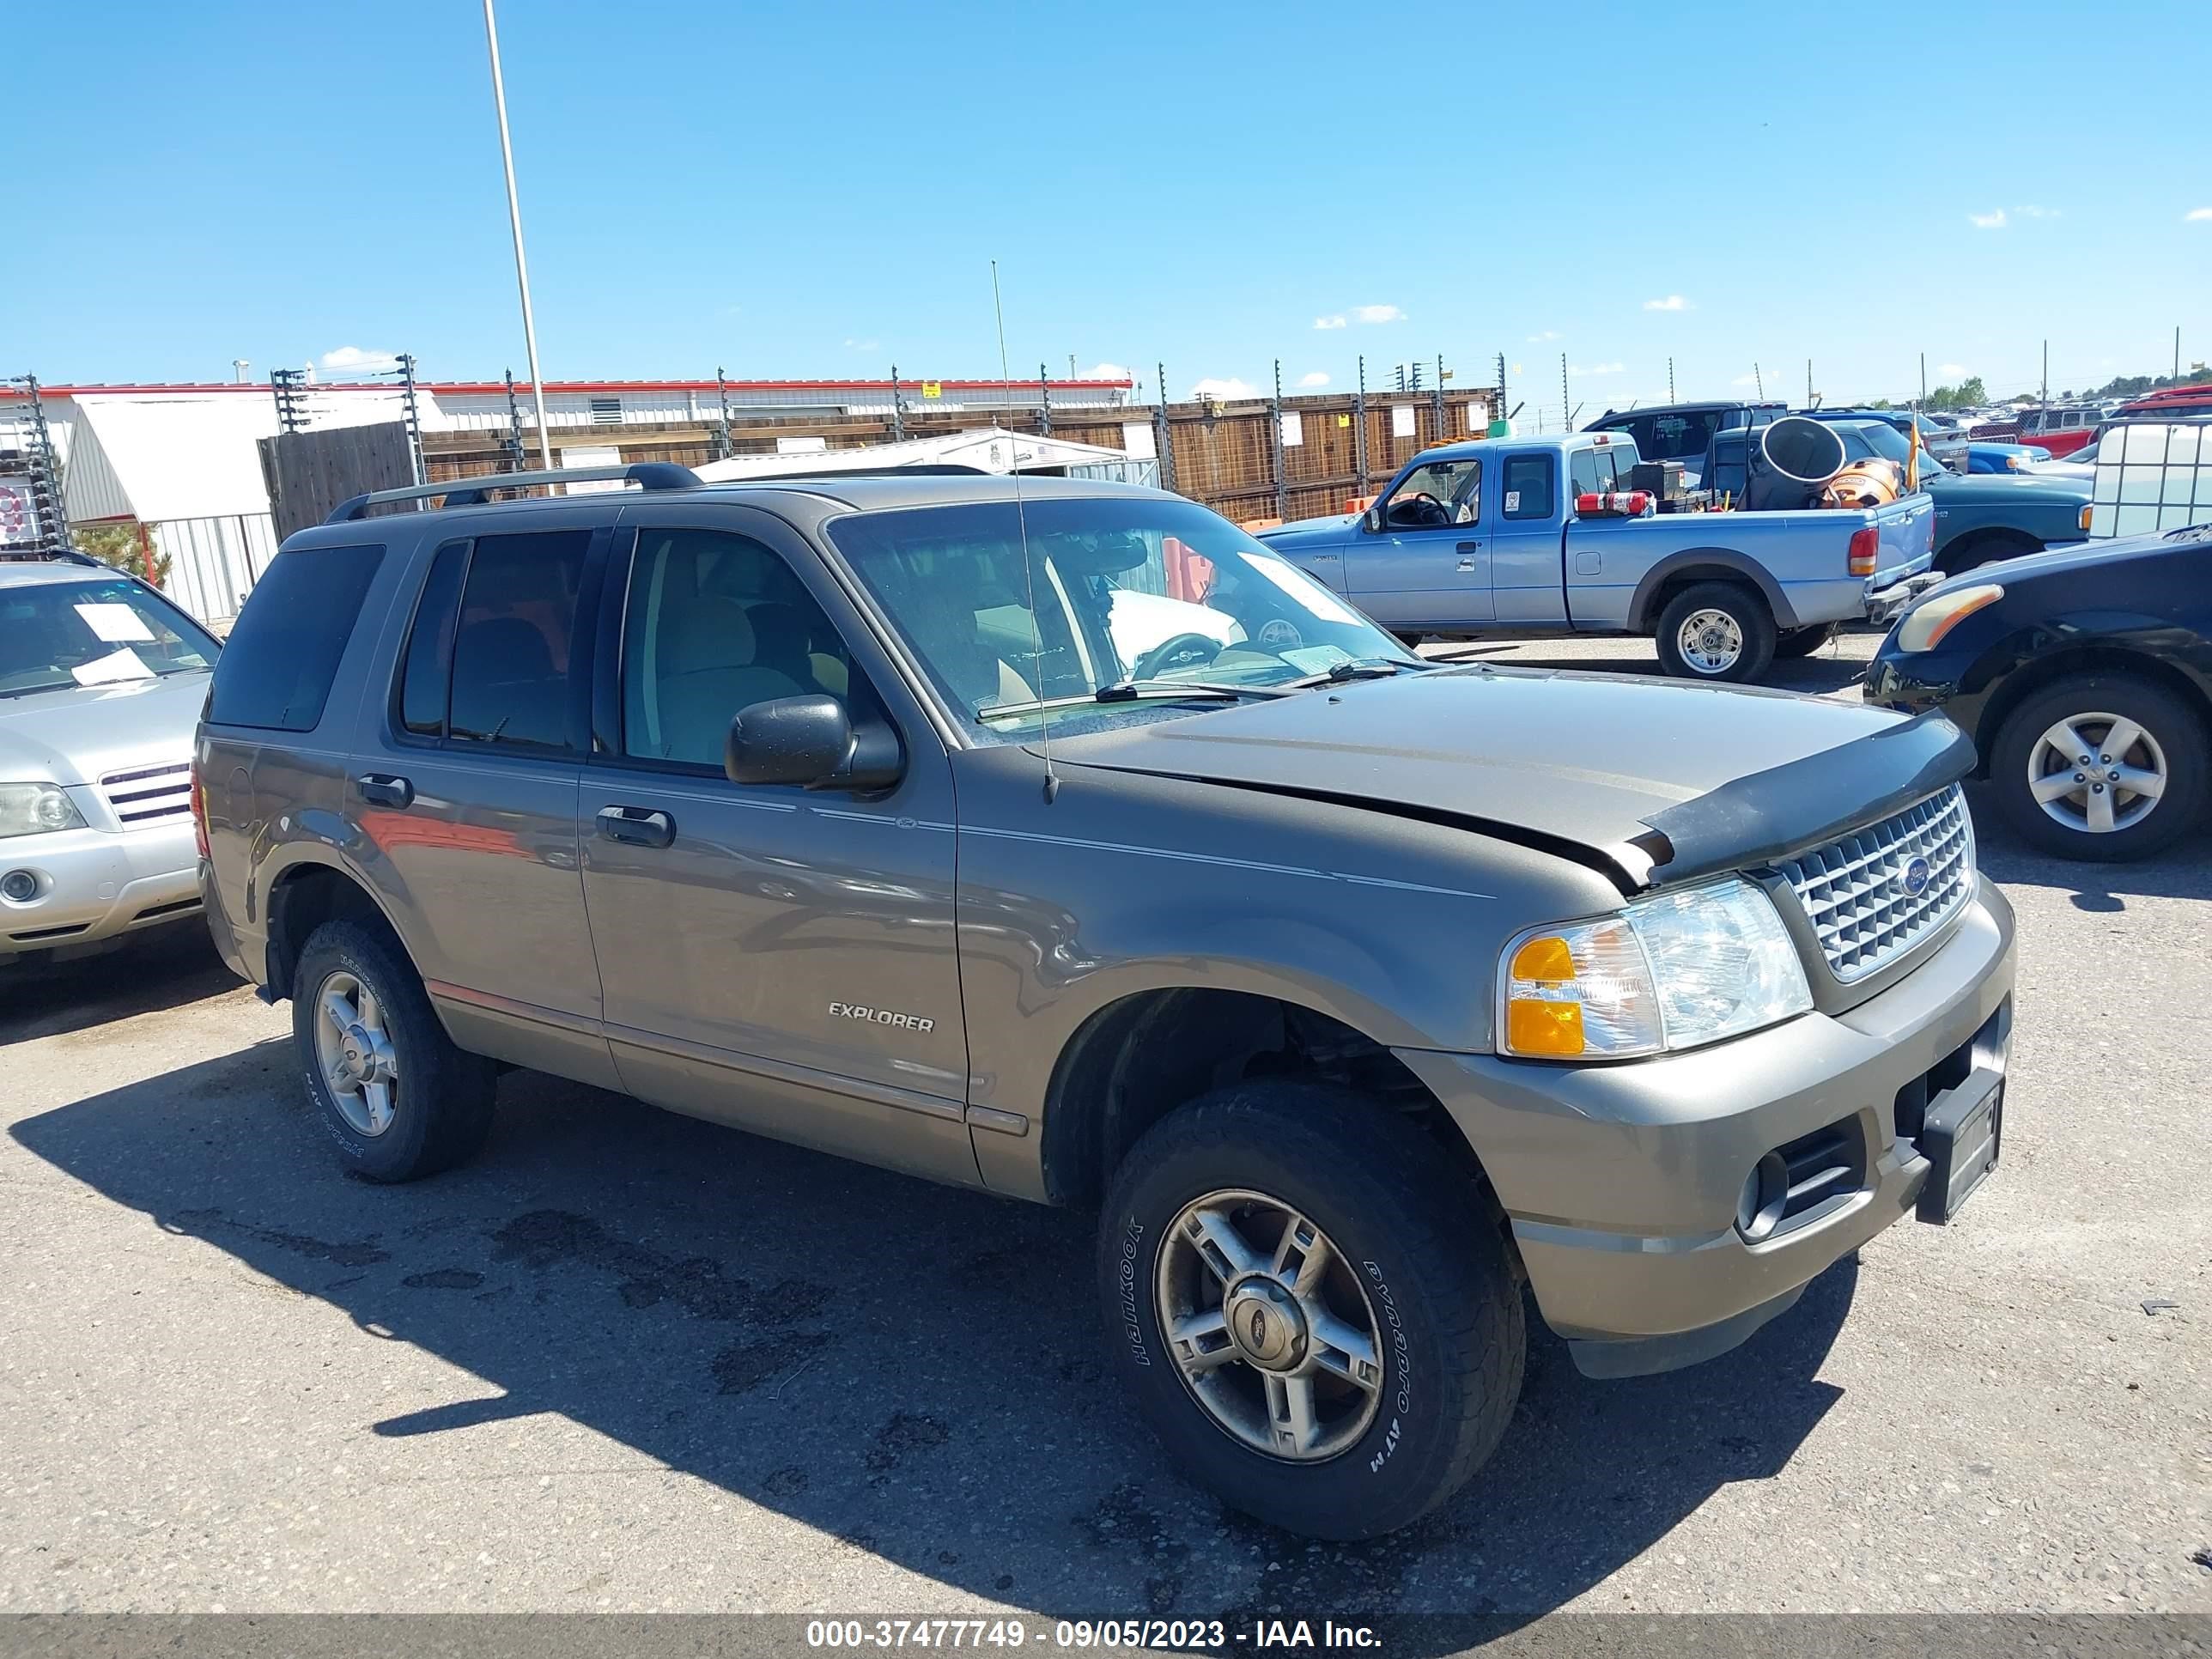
(1134,691)
(1373,668)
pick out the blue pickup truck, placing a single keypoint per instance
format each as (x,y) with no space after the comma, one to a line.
(1483,538)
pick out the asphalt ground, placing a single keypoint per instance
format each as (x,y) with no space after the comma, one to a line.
(630,1362)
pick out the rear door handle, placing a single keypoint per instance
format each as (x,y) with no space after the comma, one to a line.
(383,789)
(637,826)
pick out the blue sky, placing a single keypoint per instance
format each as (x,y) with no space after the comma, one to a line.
(818,189)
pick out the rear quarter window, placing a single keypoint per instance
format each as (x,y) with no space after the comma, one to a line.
(276,668)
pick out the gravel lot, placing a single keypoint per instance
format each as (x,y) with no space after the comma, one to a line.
(630,1361)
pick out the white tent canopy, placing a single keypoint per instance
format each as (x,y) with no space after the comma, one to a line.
(989,449)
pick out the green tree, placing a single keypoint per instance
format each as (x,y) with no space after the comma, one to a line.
(119,544)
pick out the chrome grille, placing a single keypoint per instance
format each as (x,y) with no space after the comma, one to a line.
(152,794)
(1853,891)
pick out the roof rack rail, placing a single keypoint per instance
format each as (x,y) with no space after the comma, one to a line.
(474,491)
(923,470)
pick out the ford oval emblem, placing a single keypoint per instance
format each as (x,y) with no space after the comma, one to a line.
(1915,879)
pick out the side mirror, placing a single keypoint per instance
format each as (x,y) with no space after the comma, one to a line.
(811,741)
(1374,521)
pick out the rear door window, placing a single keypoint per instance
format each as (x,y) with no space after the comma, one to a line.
(1527,492)
(512,645)
(276,668)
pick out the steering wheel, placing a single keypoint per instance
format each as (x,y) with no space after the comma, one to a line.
(1435,513)
(1179,651)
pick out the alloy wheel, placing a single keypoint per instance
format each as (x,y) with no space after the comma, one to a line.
(354,1052)
(1711,641)
(1269,1326)
(2096,773)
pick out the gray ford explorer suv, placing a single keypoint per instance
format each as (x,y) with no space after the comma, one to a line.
(1058,839)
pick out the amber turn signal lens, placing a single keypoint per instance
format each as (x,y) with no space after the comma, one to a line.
(1534,1027)
(1548,959)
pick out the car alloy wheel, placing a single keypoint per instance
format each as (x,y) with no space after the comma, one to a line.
(1268,1326)
(2096,773)
(355,1049)
(1710,640)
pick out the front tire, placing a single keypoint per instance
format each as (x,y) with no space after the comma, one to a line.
(1716,631)
(2106,768)
(399,1098)
(1312,1311)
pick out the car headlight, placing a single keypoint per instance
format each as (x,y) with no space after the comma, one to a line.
(33,809)
(1672,971)
(1923,628)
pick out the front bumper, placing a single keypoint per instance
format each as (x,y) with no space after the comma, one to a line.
(1622,1181)
(95,884)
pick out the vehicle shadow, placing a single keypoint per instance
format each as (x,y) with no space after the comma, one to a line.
(167,968)
(912,1372)
(2183,870)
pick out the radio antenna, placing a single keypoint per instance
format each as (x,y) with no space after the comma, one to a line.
(1029,575)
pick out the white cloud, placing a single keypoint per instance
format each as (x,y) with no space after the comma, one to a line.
(1548,334)
(1672,302)
(1994,220)
(1956,370)
(1745,380)
(2197,215)
(852,344)
(1336,321)
(1315,378)
(2033,212)
(1597,368)
(1377,314)
(1224,392)
(367,363)
(1107,372)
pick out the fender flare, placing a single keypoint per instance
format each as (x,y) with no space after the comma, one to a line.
(1726,563)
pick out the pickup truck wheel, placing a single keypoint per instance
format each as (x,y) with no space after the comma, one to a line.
(1716,631)
(1309,1308)
(1794,642)
(2102,766)
(1969,552)
(400,1100)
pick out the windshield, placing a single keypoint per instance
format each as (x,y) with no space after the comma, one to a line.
(1116,589)
(54,634)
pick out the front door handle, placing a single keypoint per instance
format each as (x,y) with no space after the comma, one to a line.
(1467,551)
(637,826)
(384,789)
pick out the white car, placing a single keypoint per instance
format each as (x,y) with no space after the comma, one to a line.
(101,680)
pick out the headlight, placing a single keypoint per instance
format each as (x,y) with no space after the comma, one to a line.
(2016,462)
(1671,971)
(1924,626)
(33,809)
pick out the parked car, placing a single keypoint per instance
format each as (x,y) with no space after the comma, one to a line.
(1487,538)
(2062,428)
(101,679)
(1356,991)
(1683,432)
(1948,443)
(1981,516)
(2085,678)
(2168,403)
(1983,457)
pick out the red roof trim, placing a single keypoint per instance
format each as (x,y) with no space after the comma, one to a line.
(480,388)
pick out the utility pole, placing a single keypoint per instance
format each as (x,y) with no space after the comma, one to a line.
(517,457)
(1162,432)
(1437,402)
(1563,392)
(2046,371)
(1670,379)
(1275,445)
(1756,384)
(521,266)
(2177,354)
(1501,385)
(1923,403)
(1808,383)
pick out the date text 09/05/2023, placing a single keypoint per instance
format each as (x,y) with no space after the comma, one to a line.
(1182,1634)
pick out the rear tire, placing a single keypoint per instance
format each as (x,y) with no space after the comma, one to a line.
(1717,632)
(1407,1254)
(380,1034)
(1973,551)
(2170,743)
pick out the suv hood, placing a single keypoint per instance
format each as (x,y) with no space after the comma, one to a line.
(1660,781)
(79,734)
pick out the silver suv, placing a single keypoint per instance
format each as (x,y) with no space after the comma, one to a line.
(1058,839)
(101,680)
